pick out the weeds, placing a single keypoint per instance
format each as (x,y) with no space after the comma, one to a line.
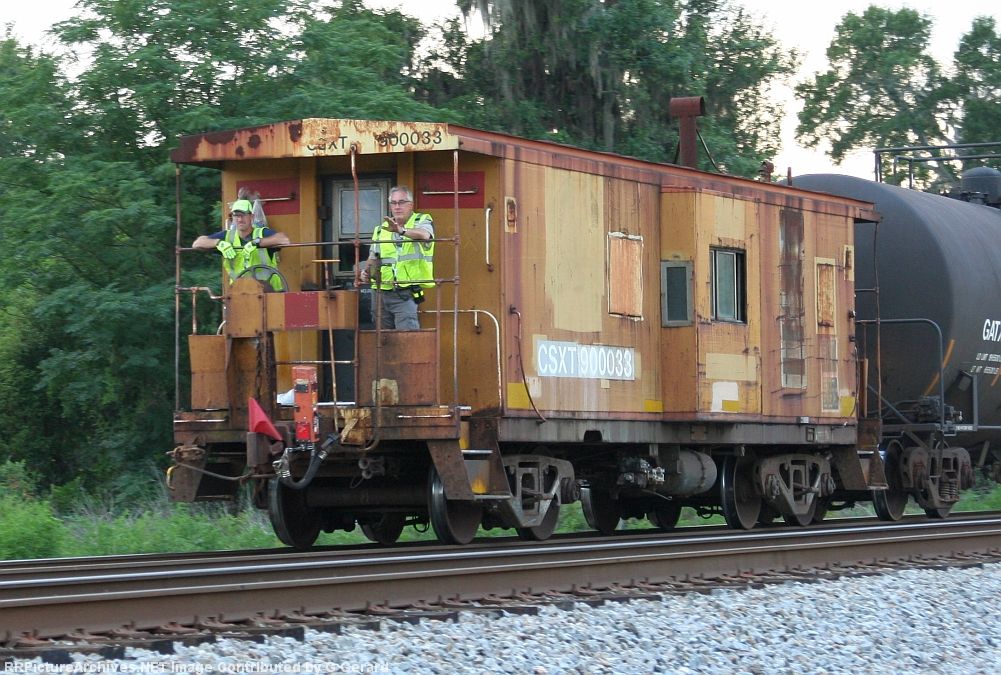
(69,522)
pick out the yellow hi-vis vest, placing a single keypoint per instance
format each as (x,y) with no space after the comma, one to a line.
(243,259)
(404,261)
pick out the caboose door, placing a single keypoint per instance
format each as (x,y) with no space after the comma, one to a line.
(338,219)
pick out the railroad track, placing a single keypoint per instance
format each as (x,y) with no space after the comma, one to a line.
(175,594)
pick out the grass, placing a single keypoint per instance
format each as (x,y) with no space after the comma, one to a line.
(35,527)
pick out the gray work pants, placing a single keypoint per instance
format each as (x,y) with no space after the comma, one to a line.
(399,310)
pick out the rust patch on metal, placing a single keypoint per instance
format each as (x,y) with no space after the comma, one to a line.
(386,391)
(451,467)
(625,271)
(315,137)
(406,357)
(245,304)
(208,371)
(686,110)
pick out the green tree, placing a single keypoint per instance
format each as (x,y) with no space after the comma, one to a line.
(36,128)
(91,310)
(978,82)
(161,68)
(35,120)
(352,63)
(600,75)
(85,334)
(87,189)
(882,87)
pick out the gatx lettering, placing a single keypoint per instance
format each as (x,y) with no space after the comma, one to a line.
(992,330)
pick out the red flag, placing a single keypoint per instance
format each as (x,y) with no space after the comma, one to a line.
(259,422)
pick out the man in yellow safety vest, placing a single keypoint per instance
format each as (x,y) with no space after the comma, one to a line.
(243,245)
(400,262)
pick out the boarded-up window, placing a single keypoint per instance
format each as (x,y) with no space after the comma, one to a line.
(829,398)
(791,317)
(826,292)
(625,274)
(675,293)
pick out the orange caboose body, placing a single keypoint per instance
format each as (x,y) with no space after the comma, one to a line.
(635,335)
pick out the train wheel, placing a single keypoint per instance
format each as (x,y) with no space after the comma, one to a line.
(454,522)
(741,506)
(938,513)
(545,529)
(889,503)
(821,511)
(931,512)
(386,530)
(665,514)
(600,511)
(804,519)
(296,524)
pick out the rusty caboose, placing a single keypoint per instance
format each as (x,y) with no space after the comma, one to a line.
(637,336)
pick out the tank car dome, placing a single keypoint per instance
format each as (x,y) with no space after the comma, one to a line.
(985,180)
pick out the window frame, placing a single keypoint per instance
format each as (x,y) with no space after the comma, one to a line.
(687,266)
(738,292)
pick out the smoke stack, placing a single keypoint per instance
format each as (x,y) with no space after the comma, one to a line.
(686,109)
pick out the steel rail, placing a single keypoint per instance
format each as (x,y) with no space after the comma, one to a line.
(71,567)
(242,589)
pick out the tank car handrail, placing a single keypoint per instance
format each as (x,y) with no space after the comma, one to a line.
(879,152)
(941,356)
(890,406)
(975,379)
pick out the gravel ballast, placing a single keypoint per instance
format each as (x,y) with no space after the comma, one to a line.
(910,621)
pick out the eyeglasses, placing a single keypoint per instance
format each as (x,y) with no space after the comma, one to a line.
(399,202)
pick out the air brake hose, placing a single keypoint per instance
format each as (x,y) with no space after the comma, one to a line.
(318,454)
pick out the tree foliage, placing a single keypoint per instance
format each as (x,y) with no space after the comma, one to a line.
(160,68)
(87,190)
(884,89)
(978,82)
(601,74)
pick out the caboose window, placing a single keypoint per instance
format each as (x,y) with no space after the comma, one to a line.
(675,293)
(829,394)
(339,216)
(727,285)
(792,316)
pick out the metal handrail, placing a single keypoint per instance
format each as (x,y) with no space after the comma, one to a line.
(941,355)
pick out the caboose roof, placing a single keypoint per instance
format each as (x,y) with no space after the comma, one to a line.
(315,137)
(328,137)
